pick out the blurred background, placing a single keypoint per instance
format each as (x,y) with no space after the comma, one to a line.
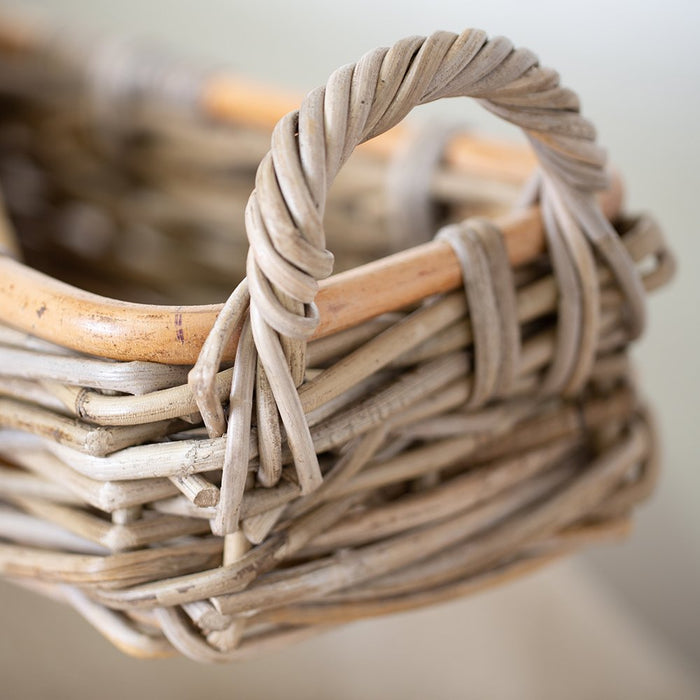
(620,621)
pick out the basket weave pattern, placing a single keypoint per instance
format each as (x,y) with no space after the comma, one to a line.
(289,481)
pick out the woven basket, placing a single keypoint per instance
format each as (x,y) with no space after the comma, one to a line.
(218,480)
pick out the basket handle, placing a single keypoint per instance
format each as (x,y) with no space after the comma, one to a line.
(285,212)
(284,215)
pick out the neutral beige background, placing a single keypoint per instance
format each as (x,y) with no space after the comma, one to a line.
(637,67)
(553,636)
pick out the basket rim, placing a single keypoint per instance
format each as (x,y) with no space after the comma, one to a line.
(36,303)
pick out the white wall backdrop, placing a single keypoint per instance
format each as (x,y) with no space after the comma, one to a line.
(636,65)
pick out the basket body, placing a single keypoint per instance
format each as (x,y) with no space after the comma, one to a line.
(112,476)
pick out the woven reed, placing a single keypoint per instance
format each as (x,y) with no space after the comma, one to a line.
(226,508)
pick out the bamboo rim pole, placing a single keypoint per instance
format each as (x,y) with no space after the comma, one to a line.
(45,307)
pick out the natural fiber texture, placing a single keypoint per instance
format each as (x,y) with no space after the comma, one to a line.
(225,508)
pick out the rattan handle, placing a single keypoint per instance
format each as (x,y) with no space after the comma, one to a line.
(285,212)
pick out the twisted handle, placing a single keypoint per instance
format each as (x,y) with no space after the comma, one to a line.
(285,212)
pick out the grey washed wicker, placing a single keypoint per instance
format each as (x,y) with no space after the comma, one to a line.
(218,480)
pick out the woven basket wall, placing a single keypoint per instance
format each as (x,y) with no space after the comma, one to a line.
(220,489)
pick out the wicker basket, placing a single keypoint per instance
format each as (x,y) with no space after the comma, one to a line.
(218,480)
